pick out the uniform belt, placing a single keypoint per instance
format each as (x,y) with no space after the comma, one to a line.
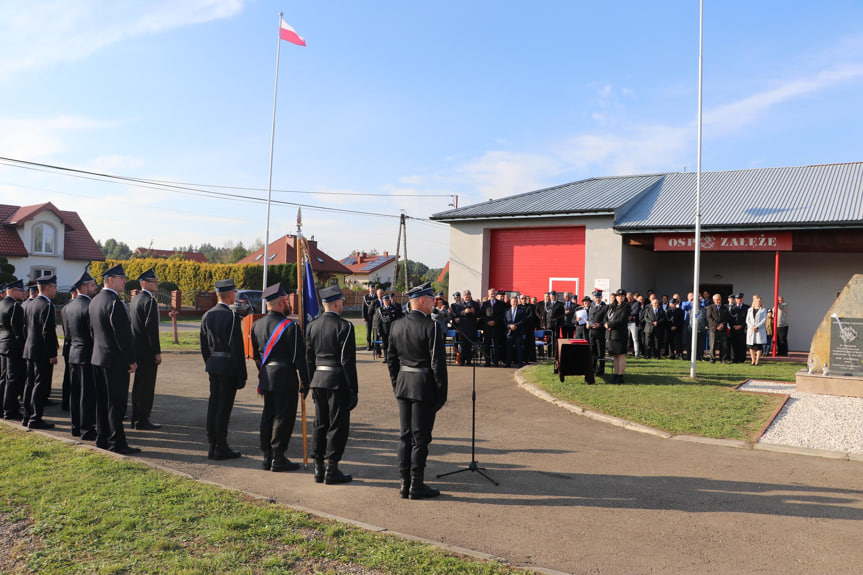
(414,369)
(327,368)
(278,364)
(220,354)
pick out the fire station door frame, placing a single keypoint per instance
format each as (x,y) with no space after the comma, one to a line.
(575,291)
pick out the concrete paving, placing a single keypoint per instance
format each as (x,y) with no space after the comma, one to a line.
(576,495)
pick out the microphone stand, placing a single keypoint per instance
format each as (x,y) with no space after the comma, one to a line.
(473,466)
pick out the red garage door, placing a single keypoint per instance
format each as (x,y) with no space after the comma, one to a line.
(523,259)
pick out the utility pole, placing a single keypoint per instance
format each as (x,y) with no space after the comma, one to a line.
(403,237)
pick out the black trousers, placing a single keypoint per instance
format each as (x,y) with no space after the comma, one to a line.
(738,345)
(369,323)
(144,389)
(82,396)
(332,423)
(65,389)
(416,420)
(597,348)
(465,349)
(494,336)
(223,389)
(675,342)
(515,348)
(278,419)
(651,344)
(40,373)
(719,341)
(16,375)
(112,395)
(782,340)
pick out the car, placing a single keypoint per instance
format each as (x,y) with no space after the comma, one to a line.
(248,301)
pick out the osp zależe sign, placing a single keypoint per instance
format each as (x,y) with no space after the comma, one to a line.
(724,242)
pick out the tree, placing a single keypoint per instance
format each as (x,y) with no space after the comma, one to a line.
(416,272)
(238,253)
(7,271)
(114,250)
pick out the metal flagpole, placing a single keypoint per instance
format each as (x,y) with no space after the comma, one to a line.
(270,178)
(693,342)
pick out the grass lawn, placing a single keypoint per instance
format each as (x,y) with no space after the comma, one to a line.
(76,511)
(189,340)
(660,394)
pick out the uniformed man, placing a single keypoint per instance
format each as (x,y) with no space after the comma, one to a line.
(225,362)
(40,351)
(676,329)
(554,317)
(82,385)
(737,323)
(493,329)
(596,334)
(331,355)
(580,322)
(567,326)
(145,328)
(467,326)
(113,361)
(417,366)
(368,314)
(279,353)
(12,338)
(384,318)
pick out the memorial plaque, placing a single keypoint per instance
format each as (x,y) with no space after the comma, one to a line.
(846,346)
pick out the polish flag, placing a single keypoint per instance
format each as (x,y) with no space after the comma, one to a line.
(289,34)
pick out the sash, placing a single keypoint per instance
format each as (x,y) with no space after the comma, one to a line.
(271,343)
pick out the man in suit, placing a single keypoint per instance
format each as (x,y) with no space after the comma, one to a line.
(225,363)
(145,328)
(528,328)
(655,322)
(417,366)
(737,322)
(113,361)
(40,351)
(12,338)
(514,320)
(279,353)
(493,329)
(467,325)
(633,322)
(675,329)
(567,325)
(717,324)
(596,317)
(554,314)
(82,385)
(368,314)
(332,359)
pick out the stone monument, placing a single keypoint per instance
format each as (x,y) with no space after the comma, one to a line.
(836,354)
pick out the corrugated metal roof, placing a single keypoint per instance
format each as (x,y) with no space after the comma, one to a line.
(585,196)
(764,197)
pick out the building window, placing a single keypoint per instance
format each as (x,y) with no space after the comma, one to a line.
(36,273)
(44,238)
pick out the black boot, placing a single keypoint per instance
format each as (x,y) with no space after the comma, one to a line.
(268,460)
(405,488)
(320,470)
(418,489)
(334,476)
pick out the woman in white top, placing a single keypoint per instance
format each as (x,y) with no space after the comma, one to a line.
(756,329)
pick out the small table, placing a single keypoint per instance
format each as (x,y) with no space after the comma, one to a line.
(574,358)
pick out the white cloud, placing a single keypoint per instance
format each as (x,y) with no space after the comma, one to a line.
(497,174)
(39,34)
(31,138)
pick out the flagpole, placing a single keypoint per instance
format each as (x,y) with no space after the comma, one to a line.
(301,318)
(270,177)
(693,342)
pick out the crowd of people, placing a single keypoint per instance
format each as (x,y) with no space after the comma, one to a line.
(504,327)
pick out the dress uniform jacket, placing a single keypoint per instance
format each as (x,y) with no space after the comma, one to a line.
(12,337)
(416,342)
(76,327)
(145,329)
(617,319)
(41,323)
(554,316)
(222,344)
(113,345)
(654,335)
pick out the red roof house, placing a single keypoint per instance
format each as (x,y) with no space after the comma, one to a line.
(284,251)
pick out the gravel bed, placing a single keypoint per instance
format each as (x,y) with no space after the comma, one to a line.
(814,420)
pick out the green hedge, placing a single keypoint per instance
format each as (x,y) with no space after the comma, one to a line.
(192,277)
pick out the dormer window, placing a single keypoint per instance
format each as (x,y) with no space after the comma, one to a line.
(44,239)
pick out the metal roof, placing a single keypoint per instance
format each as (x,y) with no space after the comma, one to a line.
(764,197)
(583,197)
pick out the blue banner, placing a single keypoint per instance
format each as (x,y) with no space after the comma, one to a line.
(311,309)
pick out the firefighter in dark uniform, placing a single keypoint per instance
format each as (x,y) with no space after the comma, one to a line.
(225,361)
(332,359)
(40,351)
(554,318)
(493,329)
(148,351)
(280,354)
(82,385)
(737,314)
(466,323)
(596,316)
(384,318)
(417,364)
(12,337)
(368,314)
(113,359)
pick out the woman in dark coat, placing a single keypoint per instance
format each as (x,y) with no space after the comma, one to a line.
(616,324)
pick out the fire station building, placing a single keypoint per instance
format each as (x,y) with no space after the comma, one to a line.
(795,232)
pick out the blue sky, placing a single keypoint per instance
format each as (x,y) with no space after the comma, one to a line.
(480,99)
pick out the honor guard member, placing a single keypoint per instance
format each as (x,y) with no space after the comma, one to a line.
(596,316)
(279,353)
(737,323)
(12,338)
(417,366)
(145,328)
(82,386)
(331,355)
(225,361)
(40,351)
(368,314)
(113,359)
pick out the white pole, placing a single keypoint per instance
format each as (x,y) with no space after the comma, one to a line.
(270,178)
(694,340)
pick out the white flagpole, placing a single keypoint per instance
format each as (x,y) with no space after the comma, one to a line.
(270,178)
(697,248)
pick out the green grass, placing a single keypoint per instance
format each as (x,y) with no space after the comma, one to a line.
(92,513)
(659,393)
(189,340)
